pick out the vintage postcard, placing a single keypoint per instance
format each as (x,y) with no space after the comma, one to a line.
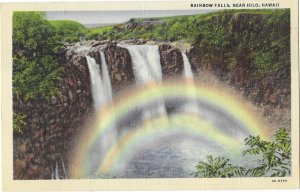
(150,95)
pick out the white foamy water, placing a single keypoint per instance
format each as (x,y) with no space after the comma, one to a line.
(96,82)
(101,84)
(147,69)
(146,63)
(107,89)
(102,94)
(188,75)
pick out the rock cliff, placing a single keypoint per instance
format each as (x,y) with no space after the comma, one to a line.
(52,124)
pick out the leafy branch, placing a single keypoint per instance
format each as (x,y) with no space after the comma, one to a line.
(275,159)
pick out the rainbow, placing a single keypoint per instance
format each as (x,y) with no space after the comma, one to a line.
(152,128)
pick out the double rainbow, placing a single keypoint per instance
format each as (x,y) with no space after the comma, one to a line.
(152,128)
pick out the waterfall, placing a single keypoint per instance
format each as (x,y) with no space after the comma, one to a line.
(96,82)
(102,94)
(188,73)
(106,79)
(190,106)
(147,70)
(101,84)
(56,171)
(146,63)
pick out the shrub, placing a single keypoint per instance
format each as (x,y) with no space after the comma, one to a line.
(35,56)
(274,161)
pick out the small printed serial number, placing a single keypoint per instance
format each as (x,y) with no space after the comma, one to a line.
(280,180)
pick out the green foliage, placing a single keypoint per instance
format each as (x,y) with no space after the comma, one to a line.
(259,39)
(275,155)
(69,31)
(99,33)
(167,28)
(177,31)
(19,122)
(263,61)
(35,56)
(275,159)
(217,168)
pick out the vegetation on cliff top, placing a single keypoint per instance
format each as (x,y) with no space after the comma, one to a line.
(36,64)
(262,41)
(68,30)
(258,37)
(262,37)
(231,36)
(35,56)
(166,28)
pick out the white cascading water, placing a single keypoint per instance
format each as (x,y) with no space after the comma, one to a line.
(107,89)
(56,171)
(96,82)
(146,63)
(188,75)
(102,93)
(101,85)
(111,135)
(147,69)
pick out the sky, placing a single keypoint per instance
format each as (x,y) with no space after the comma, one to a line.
(111,17)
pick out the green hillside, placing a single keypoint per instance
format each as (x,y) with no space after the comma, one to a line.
(165,28)
(69,30)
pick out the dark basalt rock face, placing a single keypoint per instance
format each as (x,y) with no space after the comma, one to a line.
(96,55)
(119,66)
(171,61)
(52,124)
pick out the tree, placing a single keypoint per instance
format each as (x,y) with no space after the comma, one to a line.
(275,159)
(35,56)
(275,155)
(217,167)
(36,61)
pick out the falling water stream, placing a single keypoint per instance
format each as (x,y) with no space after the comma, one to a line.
(147,70)
(102,94)
(101,84)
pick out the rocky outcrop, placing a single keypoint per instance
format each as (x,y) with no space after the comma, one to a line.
(52,124)
(119,66)
(171,61)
